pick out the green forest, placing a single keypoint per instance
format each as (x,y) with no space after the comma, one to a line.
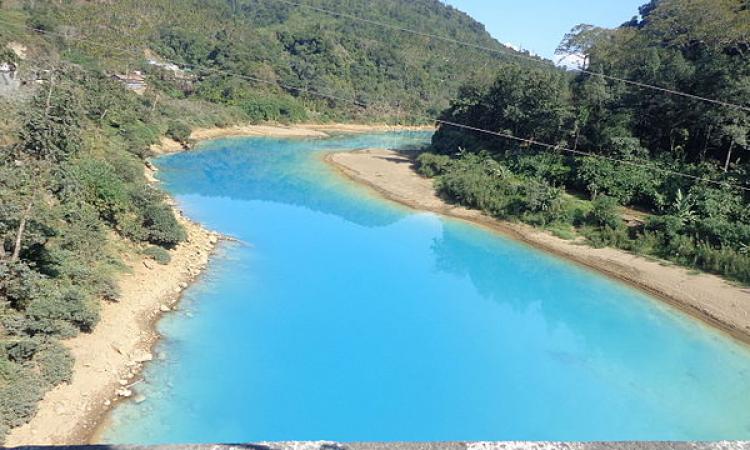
(650,172)
(73,140)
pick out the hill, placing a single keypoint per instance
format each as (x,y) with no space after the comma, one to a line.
(228,44)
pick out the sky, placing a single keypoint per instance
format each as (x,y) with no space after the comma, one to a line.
(539,25)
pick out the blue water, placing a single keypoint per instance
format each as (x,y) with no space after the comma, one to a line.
(347,317)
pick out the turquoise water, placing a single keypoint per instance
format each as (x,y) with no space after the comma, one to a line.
(346,317)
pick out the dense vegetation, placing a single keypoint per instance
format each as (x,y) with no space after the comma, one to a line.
(263,56)
(638,139)
(73,196)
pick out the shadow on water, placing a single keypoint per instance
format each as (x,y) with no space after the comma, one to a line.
(270,170)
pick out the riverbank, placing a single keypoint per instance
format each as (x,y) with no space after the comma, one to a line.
(109,360)
(704,296)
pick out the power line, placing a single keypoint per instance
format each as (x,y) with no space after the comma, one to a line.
(582,153)
(508,136)
(517,55)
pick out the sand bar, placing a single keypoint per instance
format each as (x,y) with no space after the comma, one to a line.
(710,298)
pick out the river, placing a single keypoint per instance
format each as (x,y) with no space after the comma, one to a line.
(342,316)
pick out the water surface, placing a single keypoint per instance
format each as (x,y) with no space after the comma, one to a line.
(346,317)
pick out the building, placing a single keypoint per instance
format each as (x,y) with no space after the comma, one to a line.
(134,81)
(9,80)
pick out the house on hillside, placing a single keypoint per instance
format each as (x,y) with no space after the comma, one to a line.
(7,71)
(134,81)
(9,80)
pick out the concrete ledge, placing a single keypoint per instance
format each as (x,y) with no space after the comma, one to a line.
(327,445)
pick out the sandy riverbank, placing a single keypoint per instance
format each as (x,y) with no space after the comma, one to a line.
(110,358)
(707,297)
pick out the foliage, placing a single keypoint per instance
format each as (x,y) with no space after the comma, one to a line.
(280,54)
(604,212)
(623,146)
(179,131)
(55,363)
(158,254)
(432,165)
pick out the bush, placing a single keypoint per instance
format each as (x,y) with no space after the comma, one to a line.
(604,213)
(67,305)
(139,137)
(432,165)
(162,226)
(100,185)
(55,363)
(179,131)
(156,222)
(158,254)
(544,201)
(20,391)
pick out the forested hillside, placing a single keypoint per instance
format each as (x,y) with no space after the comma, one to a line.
(678,163)
(228,44)
(77,122)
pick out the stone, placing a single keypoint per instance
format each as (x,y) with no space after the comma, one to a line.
(139,398)
(183,285)
(124,392)
(177,290)
(164,308)
(149,264)
(213,239)
(123,382)
(107,402)
(140,356)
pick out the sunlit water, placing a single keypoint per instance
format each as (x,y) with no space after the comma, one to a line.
(346,317)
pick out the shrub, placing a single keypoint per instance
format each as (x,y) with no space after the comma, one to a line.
(20,391)
(179,131)
(432,165)
(100,185)
(139,137)
(155,222)
(55,363)
(67,305)
(158,254)
(543,200)
(163,228)
(604,212)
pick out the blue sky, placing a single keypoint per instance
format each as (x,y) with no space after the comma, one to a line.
(539,25)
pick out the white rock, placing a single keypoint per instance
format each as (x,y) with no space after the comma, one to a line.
(164,308)
(124,392)
(140,356)
(139,399)
(123,382)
